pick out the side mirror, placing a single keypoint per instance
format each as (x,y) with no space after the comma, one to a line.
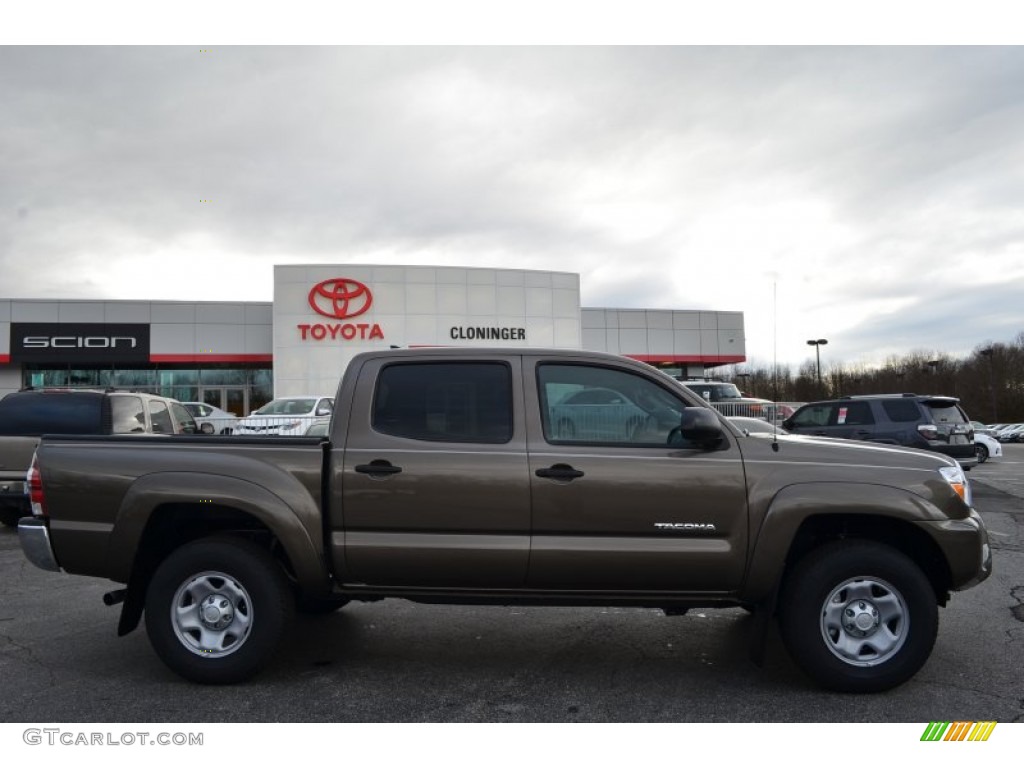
(701,425)
(787,424)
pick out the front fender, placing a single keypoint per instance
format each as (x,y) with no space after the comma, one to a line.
(792,506)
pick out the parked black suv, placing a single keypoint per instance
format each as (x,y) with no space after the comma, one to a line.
(26,415)
(929,422)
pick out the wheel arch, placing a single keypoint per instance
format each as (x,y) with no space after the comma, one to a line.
(804,517)
(154,521)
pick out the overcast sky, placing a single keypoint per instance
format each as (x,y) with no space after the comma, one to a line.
(878,191)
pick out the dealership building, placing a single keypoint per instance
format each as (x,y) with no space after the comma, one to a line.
(239,355)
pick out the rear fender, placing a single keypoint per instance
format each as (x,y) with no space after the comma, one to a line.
(295,523)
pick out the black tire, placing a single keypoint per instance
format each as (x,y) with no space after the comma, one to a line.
(982,452)
(206,428)
(10,517)
(319,606)
(244,584)
(846,582)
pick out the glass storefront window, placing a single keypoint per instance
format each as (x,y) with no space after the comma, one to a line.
(226,376)
(185,384)
(181,394)
(261,388)
(178,377)
(83,378)
(134,378)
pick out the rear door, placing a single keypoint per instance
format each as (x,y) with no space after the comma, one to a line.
(628,507)
(433,476)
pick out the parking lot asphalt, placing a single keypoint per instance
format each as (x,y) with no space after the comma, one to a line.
(394,661)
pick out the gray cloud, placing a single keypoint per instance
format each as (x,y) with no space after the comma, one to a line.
(669,177)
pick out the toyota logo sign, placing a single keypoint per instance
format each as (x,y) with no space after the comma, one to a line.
(340,297)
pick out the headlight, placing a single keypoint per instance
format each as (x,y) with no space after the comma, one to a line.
(958,481)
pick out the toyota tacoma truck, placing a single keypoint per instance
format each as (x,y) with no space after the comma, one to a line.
(513,476)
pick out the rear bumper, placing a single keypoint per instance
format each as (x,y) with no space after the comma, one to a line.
(34,536)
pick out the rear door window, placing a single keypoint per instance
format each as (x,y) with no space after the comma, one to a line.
(446,402)
(184,423)
(854,414)
(161,417)
(128,415)
(38,413)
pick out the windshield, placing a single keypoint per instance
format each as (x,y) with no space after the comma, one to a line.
(946,414)
(287,407)
(714,393)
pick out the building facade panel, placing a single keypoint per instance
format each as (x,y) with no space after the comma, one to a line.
(221,313)
(127,312)
(81,312)
(173,312)
(35,311)
(324,314)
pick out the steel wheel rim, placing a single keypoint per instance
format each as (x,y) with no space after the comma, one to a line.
(212,614)
(865,621)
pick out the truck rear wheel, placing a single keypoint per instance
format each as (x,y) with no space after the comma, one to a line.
(858,616)
(216,609)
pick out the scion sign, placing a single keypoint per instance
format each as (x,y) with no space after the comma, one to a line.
(80,342)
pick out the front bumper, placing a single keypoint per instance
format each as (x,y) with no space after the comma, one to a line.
(967,549)
(34,536)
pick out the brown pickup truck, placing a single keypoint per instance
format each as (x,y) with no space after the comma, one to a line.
(513,476)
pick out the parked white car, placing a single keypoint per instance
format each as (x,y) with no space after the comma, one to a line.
(987,448)
(286,416)
(212,420)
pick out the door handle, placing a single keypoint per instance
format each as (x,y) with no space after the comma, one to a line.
(559,472)
(378,467)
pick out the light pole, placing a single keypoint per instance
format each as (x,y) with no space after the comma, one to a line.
(816,343)
(987,352)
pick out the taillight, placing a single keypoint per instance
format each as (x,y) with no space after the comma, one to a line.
(928,431)
(34,488)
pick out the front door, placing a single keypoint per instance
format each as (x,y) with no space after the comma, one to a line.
(620,501)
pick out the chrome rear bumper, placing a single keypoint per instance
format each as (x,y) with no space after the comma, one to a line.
(34,536)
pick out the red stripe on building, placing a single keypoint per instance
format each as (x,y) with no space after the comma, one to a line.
(715,359)
(210,358)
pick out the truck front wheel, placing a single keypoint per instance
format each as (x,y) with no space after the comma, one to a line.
(216,609)
(858,616)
